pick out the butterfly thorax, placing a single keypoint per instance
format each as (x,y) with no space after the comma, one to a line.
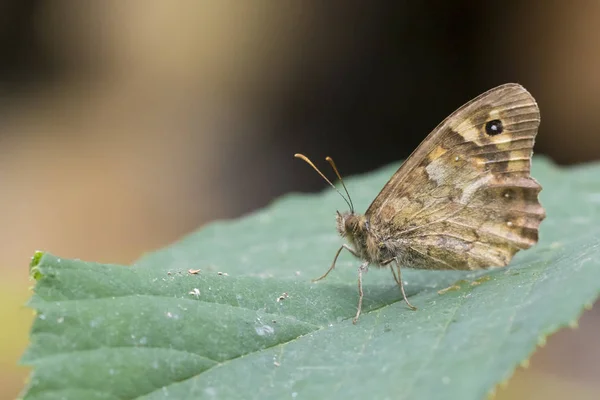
(356,230)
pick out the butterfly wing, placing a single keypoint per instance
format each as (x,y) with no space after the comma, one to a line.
(464,199)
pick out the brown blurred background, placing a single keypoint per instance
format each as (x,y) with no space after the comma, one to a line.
(124,125)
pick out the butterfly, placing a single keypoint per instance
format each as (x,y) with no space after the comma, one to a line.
(463,200)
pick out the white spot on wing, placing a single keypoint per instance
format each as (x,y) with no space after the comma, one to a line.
(437,171)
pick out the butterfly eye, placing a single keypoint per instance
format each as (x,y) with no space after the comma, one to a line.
(494,127)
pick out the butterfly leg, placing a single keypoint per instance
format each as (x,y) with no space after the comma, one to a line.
(344,246)
(363,268)
(398,279)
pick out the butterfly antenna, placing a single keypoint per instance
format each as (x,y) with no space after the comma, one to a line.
(305,159)
(330,161)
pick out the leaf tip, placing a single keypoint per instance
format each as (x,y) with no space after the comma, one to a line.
(34,271)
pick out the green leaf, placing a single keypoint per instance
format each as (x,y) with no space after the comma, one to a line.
(155,330)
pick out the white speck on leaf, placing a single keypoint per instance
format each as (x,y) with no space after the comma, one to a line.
(264,330)
(283,296)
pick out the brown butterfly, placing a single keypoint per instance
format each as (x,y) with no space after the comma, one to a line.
(463,200)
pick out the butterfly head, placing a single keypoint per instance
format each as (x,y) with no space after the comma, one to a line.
(350,224)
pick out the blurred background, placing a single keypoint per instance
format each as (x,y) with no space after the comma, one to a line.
(125,125)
